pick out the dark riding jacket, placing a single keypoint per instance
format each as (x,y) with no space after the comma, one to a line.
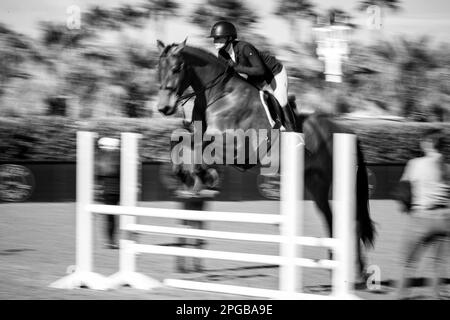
(258,65)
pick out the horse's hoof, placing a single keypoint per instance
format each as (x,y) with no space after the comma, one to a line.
(207,193)
(198,185)
(184,194)
(363,276)
(212,178)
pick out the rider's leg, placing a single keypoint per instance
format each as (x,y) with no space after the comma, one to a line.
(280,91)
(280,87)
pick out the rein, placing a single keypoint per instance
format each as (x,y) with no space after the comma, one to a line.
(213,83)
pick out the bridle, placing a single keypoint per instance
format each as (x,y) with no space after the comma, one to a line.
(186,97)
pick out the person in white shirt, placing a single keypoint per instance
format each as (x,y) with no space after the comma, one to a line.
(428,223)
(107,169)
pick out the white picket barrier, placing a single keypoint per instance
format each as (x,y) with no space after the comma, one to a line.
(289,220)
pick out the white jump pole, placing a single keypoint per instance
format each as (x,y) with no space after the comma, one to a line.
(344,207)
(83,275)
(129,190)
(291,207)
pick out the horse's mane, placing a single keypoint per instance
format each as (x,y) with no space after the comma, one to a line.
(204,54)
(197,53)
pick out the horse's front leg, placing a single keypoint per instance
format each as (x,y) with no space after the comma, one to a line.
(198,244)
(198,205)
(180,260)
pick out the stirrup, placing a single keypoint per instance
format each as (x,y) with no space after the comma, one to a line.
(278,126)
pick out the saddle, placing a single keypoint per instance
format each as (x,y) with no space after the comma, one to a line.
(281,117)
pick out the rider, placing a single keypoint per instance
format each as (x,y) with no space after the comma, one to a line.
(259,68)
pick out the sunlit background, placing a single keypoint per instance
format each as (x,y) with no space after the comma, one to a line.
(90,65)
(104,64)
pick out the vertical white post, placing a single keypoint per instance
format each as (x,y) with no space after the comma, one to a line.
(84,275)
(344,220)
(129,188)
(291,206)
(84,195)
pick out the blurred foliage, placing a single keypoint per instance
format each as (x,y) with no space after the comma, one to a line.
(78,73)
(161,7)
(338,16)
(297,8)
(390,4)
(393,142)
(54,34)
(54,138)
(206,14)
(292,11)
(406,78)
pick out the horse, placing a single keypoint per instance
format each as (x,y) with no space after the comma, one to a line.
(225,100)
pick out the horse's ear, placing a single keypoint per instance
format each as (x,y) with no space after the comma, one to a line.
(160,45)
(180,47)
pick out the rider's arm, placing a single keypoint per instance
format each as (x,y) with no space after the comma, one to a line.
(406,176)
(223,55)
(257,67)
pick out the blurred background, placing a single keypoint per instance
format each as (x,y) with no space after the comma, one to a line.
(74,65)
(71,65)
(86,58)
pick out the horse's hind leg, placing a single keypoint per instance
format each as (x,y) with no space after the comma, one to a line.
(319,187)
(361,259)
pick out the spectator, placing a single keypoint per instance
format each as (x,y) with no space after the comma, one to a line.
(428,221)
(108,175)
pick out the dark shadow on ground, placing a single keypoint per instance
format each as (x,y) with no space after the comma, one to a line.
(10,252)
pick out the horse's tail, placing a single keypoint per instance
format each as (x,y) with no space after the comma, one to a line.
(366,227)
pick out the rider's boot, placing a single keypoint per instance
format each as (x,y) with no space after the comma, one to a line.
(277,124)
(289,118)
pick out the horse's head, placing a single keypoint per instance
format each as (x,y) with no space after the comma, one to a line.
(172,76)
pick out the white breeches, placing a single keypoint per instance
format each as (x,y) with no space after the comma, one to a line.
(279,87)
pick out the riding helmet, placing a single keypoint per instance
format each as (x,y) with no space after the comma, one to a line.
(223,29)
